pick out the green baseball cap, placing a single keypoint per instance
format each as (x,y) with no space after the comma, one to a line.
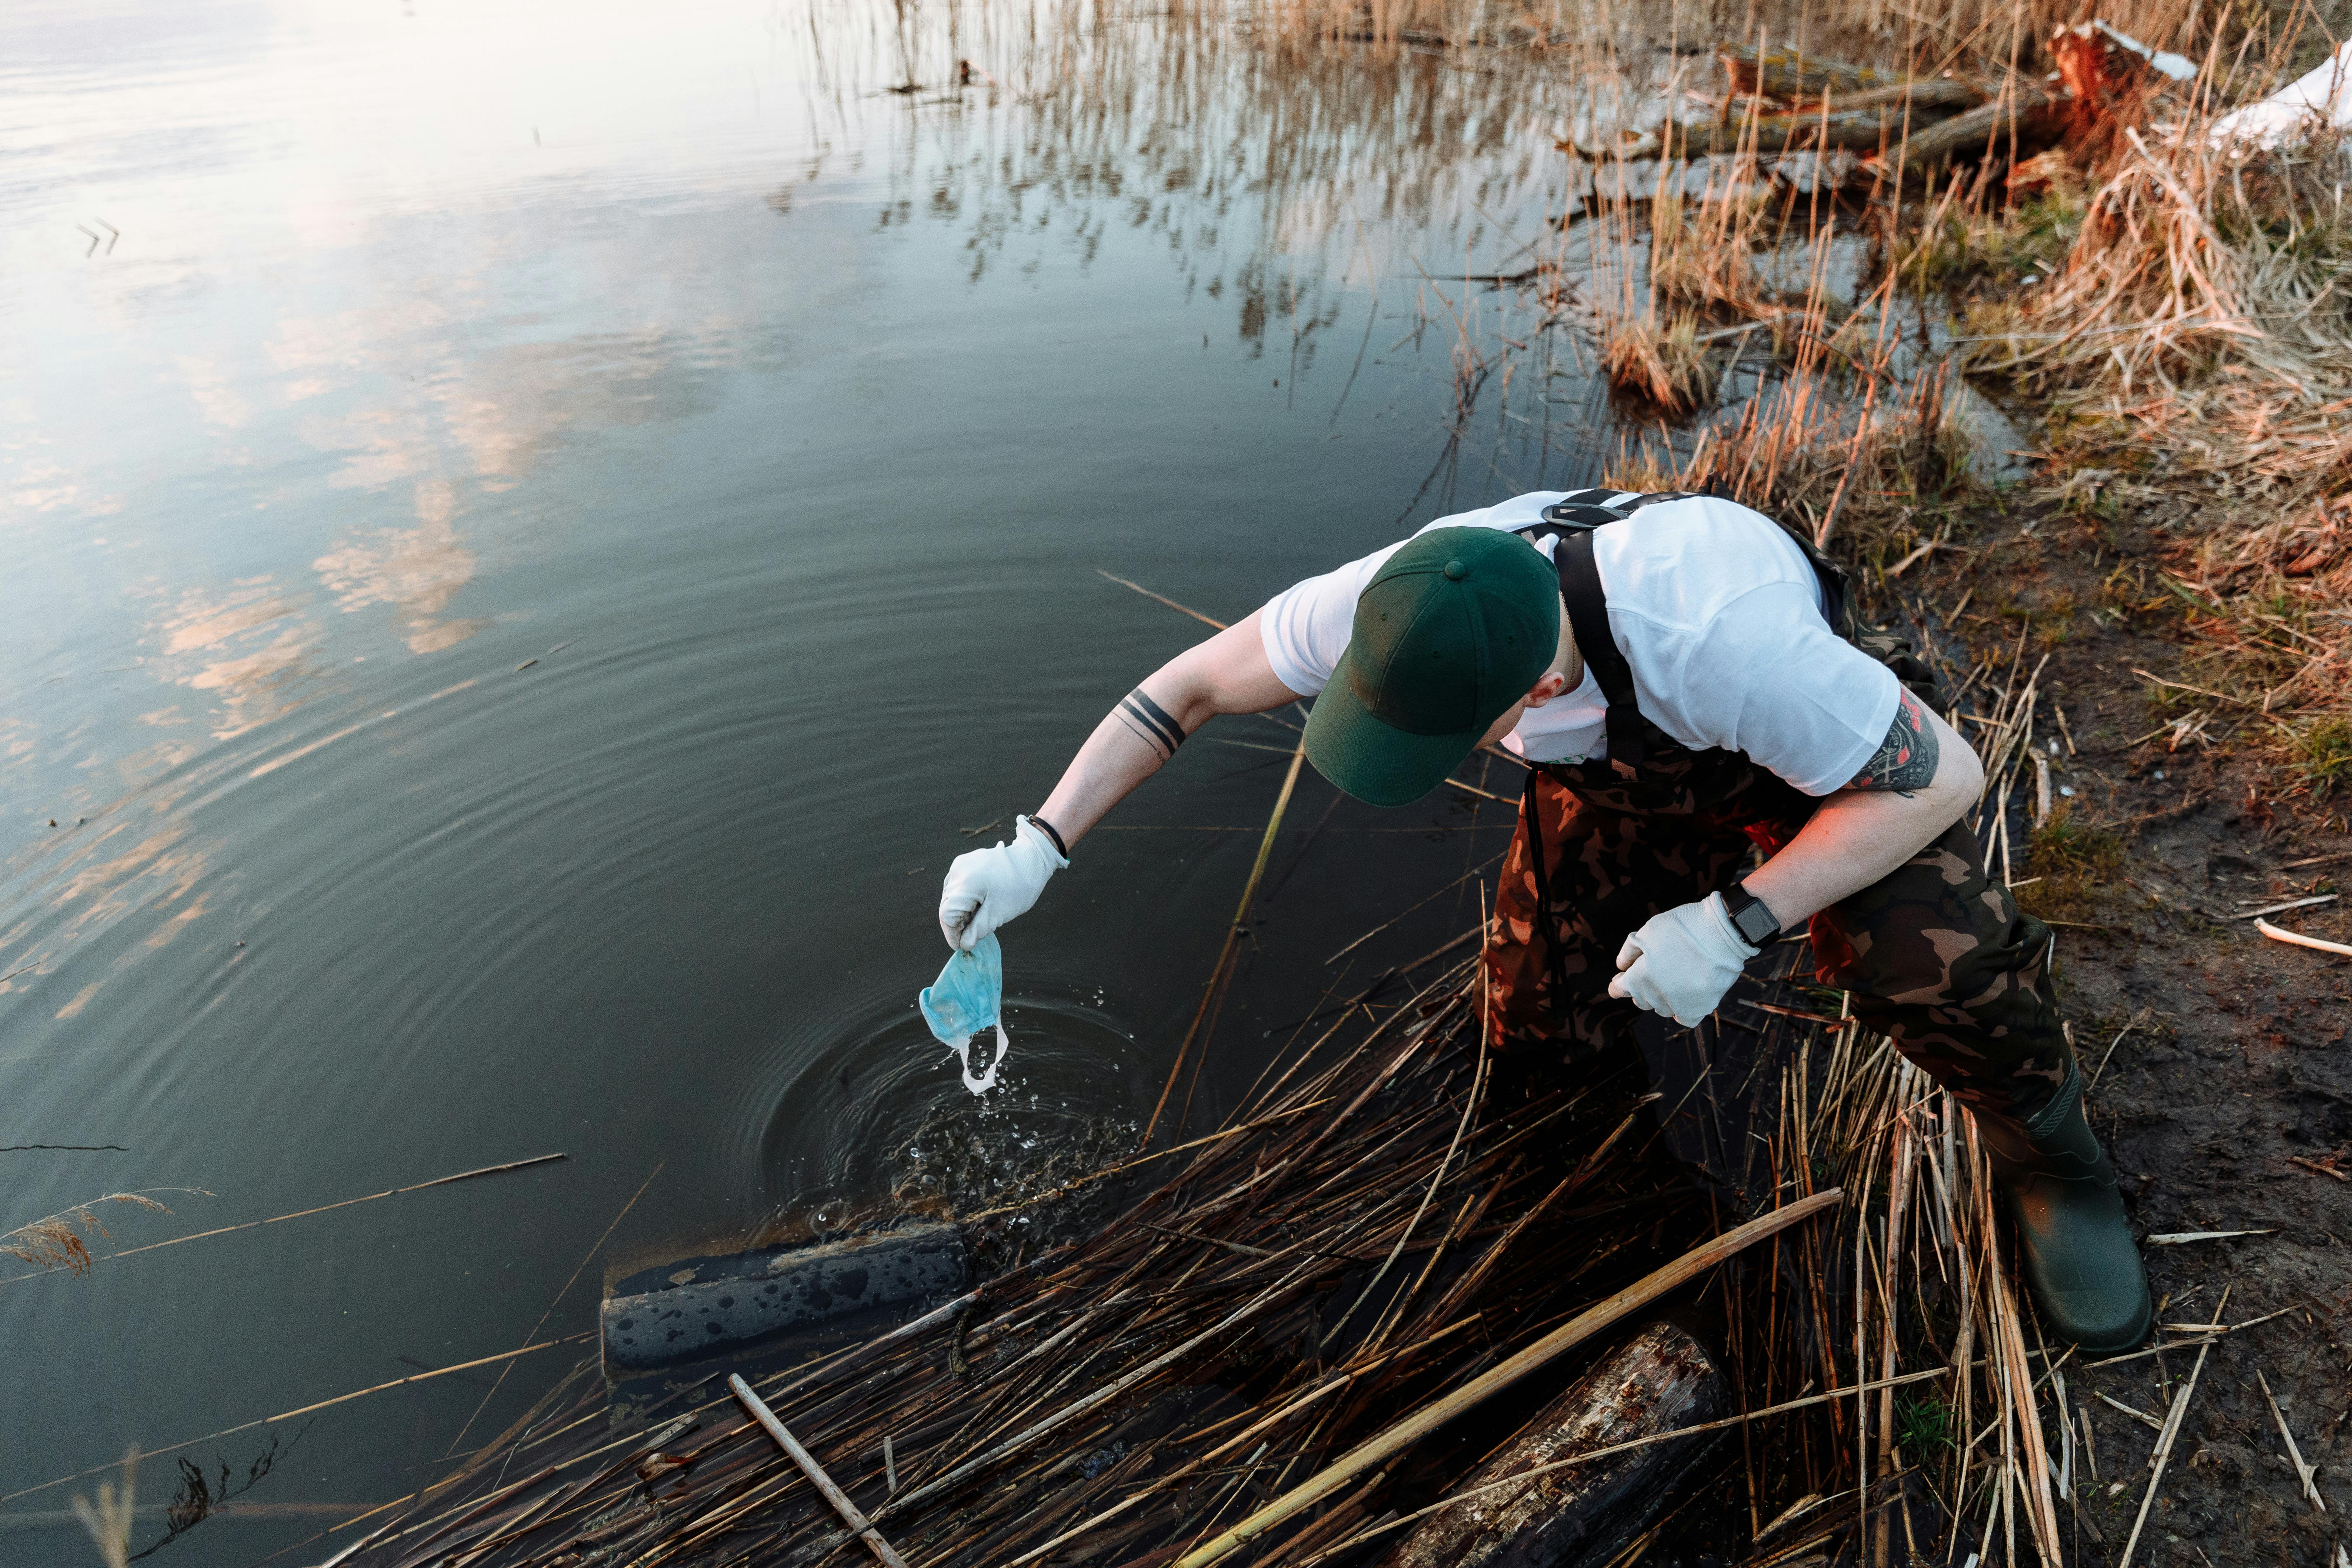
(1451,630)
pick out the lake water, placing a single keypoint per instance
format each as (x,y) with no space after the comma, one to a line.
(526,531)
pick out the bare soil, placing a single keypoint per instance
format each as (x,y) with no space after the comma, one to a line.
(2224,1087)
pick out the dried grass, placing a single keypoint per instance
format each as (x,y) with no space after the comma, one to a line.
(58,1241)
(2205,305)
(1667,364)
(1396,1213)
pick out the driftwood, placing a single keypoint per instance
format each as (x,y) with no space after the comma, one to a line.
(1660,1381)
(1793,74)
(1843,106)
(1932,96)
(1864,132)
(2024,115)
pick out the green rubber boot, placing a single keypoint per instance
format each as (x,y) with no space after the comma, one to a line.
(2076,1248)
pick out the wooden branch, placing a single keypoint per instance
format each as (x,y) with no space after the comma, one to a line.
(1521,1478)
(1862,131)
(790,1444)
(1371,1454)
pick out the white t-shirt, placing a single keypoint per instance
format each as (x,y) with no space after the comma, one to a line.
(1717,612)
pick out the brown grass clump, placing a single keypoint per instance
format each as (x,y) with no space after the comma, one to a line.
(1667,364)
(1704,260)
(58,1241)
(2204,307)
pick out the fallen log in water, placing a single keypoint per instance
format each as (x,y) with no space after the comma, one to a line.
(2027,114)
(1793,74)
(1866,131)
(1660,1381)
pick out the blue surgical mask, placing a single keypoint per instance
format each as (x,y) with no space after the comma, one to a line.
(967,997)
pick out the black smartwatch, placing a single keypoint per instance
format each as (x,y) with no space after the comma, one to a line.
(1749,917)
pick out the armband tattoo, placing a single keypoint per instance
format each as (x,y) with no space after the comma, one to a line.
(1151,723)
(1905,760)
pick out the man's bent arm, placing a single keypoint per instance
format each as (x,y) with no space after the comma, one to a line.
(1922,778)
(1227,674)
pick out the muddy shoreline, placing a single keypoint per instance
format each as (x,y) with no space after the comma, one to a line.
(2235,1063)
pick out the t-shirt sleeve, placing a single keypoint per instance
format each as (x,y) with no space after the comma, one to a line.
(1307,626)
(1769,678)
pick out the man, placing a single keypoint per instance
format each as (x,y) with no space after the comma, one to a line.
(1672,669)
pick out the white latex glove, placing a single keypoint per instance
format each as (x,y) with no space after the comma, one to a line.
(1681,962)
(987,888)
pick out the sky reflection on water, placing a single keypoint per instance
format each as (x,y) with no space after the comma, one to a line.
(525,550)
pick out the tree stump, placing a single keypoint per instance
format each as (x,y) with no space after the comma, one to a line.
(1662,1379)
(2108,84)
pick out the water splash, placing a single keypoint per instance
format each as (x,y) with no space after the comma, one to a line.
(967,997)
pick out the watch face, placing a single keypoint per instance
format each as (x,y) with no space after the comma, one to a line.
(1754,921)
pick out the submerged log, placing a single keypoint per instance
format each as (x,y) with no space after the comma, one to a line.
(1662,1380)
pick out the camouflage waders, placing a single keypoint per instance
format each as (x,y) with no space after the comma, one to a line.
(1936,955)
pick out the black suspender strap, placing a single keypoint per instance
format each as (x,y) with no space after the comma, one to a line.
(1588,618)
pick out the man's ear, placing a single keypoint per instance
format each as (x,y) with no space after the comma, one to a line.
(1544,690)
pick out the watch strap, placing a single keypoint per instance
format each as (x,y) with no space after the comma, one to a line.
(1751,916)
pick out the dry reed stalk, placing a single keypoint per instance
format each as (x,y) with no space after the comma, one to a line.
(57,1245)
(1221,973)
(1406,1432)
(109,1519)
(2165,1439)
(2303,1472)
(858,1522)
(749,1501)
(65,1261)
(1119,1397)
(1664,365)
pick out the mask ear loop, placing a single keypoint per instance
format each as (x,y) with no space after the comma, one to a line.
(980,1083)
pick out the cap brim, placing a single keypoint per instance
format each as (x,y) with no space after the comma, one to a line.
(1377,762)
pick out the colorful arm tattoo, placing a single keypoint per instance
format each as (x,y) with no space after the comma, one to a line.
(1905,760)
